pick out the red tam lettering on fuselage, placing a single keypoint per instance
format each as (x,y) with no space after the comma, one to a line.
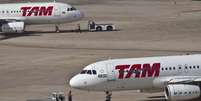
(140,70)
(37,11)
(121,70)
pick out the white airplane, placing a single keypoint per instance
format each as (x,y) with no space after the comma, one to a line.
(14,17)
(178,76)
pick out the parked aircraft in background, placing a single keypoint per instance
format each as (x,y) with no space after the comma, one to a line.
(178,76)
(14,17)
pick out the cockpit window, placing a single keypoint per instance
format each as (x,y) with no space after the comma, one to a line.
(94,72)
(71,9)
(83,72)
(90,72)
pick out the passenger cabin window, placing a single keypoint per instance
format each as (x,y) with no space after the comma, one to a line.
(174,68)
(194,67)
(94,72)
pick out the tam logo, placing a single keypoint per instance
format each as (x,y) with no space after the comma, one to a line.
(37,11)
(140,70)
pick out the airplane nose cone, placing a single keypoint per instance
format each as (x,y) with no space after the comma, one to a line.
(75,82)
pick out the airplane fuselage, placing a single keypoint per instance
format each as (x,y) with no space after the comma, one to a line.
(139,73)
(40,13)
(178,76)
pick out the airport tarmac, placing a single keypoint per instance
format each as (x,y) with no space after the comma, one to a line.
(34,64)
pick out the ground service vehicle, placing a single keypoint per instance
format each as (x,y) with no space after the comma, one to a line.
(92,26)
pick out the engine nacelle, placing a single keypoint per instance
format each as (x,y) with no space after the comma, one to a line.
(181,92)
(13,27)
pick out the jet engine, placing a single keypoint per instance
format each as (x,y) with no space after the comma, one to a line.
(13,27)
(181,92)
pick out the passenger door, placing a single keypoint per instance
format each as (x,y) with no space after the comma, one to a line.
(111,72)
(57,11)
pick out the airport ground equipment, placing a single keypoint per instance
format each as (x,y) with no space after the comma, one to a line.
(56,96)
(92,26)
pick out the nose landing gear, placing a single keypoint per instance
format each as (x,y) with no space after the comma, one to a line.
(57,29)
(108,96)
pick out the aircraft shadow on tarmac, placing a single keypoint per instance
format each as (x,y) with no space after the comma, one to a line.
(72,31)
(155,98)
(5,36)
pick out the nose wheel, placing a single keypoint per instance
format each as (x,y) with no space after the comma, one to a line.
(108,96)
(57,28)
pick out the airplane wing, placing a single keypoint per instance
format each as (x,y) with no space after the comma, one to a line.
(158,82)
(10,19)
(181,80)
(12,24)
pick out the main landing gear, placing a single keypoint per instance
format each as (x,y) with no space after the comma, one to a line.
(108,96)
